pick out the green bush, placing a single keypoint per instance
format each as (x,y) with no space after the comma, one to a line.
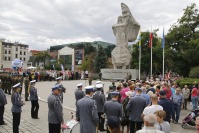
(194,72)
(187,81)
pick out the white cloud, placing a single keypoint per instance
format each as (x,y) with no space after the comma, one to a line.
(42,23)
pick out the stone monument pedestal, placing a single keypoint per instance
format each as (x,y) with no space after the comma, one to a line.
(119,74)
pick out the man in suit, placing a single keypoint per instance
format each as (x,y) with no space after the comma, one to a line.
(86,112)
(112,107)
(79,94)
(99,97)
(55,111)
(136,106)
(3,102)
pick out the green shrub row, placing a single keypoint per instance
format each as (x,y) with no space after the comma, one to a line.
(187,81)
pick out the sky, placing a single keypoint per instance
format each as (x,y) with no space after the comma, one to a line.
(44,23)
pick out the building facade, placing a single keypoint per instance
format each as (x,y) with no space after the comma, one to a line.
(10,51)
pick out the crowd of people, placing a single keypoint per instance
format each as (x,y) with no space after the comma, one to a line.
(140,106)
(129,106)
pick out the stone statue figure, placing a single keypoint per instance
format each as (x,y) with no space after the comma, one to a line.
(126,30)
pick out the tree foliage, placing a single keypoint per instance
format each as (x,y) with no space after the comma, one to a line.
(100,60)
(42,56)
(183,40)
(88,62)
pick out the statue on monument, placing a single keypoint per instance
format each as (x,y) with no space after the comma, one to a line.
(126,30)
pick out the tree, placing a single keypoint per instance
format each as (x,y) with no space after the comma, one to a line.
(42,56)
(183,40)
(100,60)
(88,62)
(146,54)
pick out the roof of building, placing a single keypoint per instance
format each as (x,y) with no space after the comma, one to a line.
(94,44)
(12,44)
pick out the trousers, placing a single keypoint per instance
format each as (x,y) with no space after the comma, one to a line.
(101,121)
(135,125)
(16,122)
(176,112)
(34,108)
(54,128)
(2,108)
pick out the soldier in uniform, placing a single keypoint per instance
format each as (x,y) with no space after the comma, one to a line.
(99,97)
(3,82)
(86,112)
(26,84)
(17,103)
(55,111)
(79,94)
(34,100)
(62,89)
(9,84)
(112,107)
(20,80)
(3,102)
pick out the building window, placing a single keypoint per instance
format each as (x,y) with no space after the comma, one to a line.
(20,58)
(16,56)
(9,52)
(24,59)
(5,58)
(20,53)
(24,53)
(5,51)
(16,48)
(9,58)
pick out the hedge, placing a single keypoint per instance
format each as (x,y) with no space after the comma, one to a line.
(187,81)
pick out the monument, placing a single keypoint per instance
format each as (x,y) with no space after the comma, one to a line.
(125,30)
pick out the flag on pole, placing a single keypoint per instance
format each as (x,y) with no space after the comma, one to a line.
(62,67)
(163,41)
(53,67)
(150,39)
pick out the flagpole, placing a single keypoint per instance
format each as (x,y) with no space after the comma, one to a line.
(163,64)
(139,60)
(151,53)
(139,44)
(163,45)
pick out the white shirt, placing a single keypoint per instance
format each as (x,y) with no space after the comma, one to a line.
(149,130)
(152,109)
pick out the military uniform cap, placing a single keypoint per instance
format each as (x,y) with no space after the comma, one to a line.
(56,87)
(80,84)
(33,81)
(17,85)
(98,82)
(58,78)
(99,86)
(89,88)
(115,93)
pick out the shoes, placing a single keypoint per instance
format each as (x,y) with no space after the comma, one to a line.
(175,122)
(26,100)
(103,130)
(3,123)
(36,118)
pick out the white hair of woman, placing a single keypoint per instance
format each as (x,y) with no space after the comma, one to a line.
(151,119)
